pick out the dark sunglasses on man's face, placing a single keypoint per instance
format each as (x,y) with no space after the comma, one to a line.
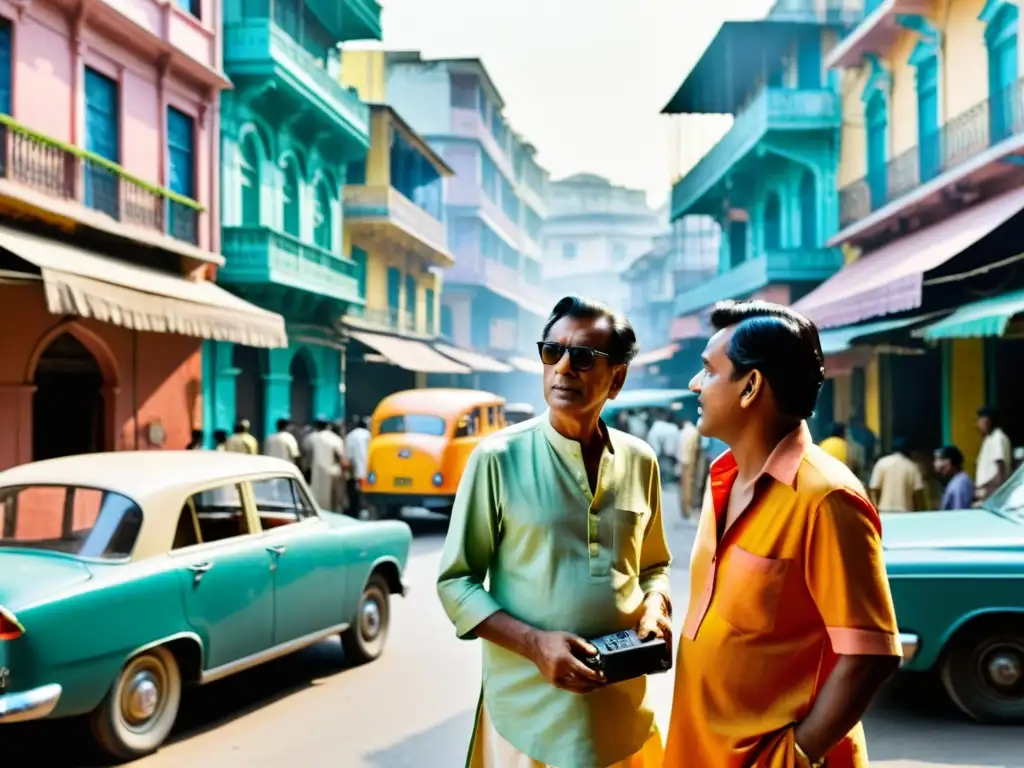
(580,358)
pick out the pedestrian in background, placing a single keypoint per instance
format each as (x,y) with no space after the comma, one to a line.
(327,452)
(790,629)
(663,437)
(959,490)
(195,443)
(282,444)
(835,444)
(896,481)
(995,457)
(357,449)
(561,517)
(242,440)
(689,455)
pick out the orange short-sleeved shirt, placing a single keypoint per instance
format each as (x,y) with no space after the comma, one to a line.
(795,582)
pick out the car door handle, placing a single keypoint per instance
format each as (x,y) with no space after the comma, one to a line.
(279,550)
(198,571)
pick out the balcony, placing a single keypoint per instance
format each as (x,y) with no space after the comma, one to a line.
(784,110)
(499,278)
(792,265)
(468,123)
(977,146)
(389,319)
(379,213)
(280,270)
(56,181)
(291,85)
(884,22)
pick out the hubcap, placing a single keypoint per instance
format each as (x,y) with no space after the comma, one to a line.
(142,697)
(1006,669)
(371,619)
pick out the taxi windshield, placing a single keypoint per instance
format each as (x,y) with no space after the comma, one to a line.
(1008,501)
(413,424)
(86,522)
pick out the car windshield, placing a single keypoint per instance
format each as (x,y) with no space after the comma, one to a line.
(1008,501)
(87,522)
(413,424)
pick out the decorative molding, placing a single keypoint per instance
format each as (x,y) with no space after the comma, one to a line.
(879,79)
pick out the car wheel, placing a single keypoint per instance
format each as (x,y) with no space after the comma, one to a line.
(983,673)
(140,709)
(364,640)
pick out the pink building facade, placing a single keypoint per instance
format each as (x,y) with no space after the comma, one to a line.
(109,224)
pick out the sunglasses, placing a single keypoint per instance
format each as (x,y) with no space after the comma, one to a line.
(580,358)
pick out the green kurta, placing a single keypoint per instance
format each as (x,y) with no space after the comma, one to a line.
(557,558)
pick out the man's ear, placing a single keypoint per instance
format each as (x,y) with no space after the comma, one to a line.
(618,381)
(755,383)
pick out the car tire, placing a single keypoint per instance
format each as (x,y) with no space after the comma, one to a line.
(367,634)
(138,713)
(983,671)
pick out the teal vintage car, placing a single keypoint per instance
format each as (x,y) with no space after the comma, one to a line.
(126,576)
(957,581)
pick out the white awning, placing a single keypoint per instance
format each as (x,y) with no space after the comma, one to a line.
(526,365)
(408,354)
(659,355)
(475,360)
(88,284)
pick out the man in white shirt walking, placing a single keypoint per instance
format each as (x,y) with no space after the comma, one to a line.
(663,437)
(282,444)
(995,459)
(327,451)
(357,448)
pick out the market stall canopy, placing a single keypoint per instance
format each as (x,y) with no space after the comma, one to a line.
(475,360)
(838,340)
(409,354)
(88,284)
(987,317)
(891,279)
(646,398)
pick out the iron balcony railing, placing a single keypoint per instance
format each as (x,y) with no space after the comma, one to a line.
(964,137)
(65,172)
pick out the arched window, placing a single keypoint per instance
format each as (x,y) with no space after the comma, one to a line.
(249,170)
(291,188)
(808,212)
(877,123)
(1000,18)
(772,222)
(322,223)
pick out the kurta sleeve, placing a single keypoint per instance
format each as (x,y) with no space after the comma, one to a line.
(655,557)
(845,573)
(470,544)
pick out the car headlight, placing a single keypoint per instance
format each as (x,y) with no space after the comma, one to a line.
(371,478)
(437,479)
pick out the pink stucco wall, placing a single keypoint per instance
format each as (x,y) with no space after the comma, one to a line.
(125,40)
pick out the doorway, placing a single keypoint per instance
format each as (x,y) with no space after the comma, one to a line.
(301,396)
(67,406)
(249,396)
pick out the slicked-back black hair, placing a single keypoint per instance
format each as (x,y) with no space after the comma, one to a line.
(780,343)
(622,348)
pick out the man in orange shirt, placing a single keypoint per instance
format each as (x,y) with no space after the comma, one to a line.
(790,629)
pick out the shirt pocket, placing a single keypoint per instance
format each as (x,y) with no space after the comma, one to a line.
(749,591)
(628,527)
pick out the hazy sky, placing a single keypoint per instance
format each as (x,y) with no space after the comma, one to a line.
(583,80)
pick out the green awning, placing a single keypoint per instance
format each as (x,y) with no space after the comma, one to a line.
(988,317)
(835,341)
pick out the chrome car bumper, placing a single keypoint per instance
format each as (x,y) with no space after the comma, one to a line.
(29,705)
(909,643)
(406,586)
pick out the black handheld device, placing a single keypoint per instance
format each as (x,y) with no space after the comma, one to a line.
(623,656)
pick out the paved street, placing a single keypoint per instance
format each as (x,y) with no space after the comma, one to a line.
(413,707)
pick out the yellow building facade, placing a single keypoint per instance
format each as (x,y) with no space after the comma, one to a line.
(931,103)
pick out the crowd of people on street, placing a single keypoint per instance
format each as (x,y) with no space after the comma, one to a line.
(332,455)
(899,481)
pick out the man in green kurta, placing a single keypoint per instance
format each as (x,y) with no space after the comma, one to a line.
(563,516)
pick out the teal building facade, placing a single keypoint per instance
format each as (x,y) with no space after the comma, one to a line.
(289,131)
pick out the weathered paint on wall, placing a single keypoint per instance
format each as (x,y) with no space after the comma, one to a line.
(366,71)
